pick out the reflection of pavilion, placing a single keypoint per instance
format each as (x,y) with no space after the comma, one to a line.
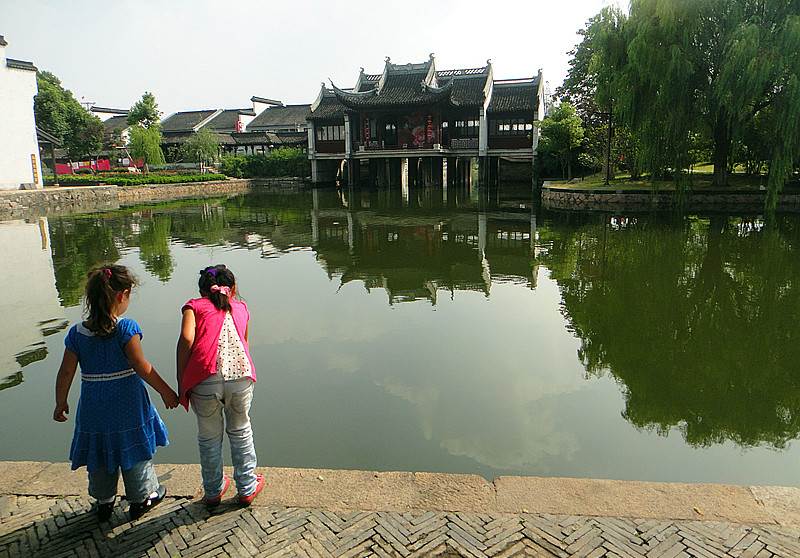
(413,257)
(29,296)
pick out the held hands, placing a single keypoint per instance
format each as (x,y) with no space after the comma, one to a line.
(60,412)
(169,397)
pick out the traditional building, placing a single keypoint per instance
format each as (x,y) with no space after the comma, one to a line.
(20,164)
(415,117)
(268,125)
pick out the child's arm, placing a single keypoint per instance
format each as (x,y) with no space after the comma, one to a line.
(133,350)
(185,343)
(66,372)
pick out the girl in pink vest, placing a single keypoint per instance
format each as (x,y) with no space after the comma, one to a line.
(216,374)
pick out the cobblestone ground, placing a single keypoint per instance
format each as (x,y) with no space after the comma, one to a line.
(179,527)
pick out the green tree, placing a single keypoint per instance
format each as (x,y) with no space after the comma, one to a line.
(86,137)
(678,70)
(144,112)
(60,114)
(562,133)
(146,143)
(203,147)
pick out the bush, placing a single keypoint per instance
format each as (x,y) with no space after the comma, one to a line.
(286,161)
(130,179)
(84,171)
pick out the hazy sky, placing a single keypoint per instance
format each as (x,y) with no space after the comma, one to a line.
(198,54)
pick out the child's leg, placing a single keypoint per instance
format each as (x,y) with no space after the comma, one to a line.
(206,400)
(102,484)
(238,396)
(140,481)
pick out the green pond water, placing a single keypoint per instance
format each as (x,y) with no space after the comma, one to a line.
(445,331)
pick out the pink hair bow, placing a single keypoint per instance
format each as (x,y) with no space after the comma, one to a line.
(221,290)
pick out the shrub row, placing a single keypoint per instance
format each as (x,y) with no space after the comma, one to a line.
(128,179)
(286,161)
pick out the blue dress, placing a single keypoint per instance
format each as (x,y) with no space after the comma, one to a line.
(116,424)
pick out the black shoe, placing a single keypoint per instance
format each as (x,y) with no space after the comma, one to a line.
(139,509)
(104,511)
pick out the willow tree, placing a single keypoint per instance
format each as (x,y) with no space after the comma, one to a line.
(146,143)
(705,67)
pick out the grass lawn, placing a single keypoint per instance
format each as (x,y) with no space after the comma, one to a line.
(701,178)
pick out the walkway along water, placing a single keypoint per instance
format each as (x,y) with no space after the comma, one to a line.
(45,511)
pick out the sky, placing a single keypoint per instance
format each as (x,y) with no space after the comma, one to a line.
(199,54)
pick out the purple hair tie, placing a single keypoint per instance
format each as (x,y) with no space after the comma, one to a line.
(212,271)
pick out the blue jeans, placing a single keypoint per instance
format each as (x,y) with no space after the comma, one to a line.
(209,399)
(140,481)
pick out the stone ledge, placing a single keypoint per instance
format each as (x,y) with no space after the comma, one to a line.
(404,491)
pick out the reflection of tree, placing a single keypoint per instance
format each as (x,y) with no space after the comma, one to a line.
(79,244)
(154,246)
(699,323)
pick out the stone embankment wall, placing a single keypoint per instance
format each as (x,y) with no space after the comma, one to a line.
(19,204)
(595,200)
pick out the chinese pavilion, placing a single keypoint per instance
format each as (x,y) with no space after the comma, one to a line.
(416,115)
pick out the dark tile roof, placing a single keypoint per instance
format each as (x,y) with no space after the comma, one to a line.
(185,121)
(398,90)
(328,107)
(468,90)
(105,110)
(115,122)
(292,138)
(3,41)
(20,65)
(44,137)
(265,101)
(289,116)
(254,138)
(171,138)
(515,96)
(367,82)
(226,120)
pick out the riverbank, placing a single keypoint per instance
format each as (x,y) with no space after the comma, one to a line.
(54,201)
(578,197)
(44,508)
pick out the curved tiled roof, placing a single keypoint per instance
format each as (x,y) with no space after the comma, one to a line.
(327,107)
(515,96)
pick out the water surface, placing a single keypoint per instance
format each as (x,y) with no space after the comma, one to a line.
(445,331)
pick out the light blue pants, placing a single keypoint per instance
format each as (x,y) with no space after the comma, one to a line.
(210,398)
(140,482)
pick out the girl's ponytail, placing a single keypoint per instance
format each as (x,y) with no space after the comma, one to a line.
(217,283)
(102,286)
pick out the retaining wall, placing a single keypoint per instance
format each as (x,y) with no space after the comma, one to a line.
(20,204)
(712,201)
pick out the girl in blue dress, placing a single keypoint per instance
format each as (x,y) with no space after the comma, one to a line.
(116,426)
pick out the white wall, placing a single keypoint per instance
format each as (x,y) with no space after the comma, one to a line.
(18,143)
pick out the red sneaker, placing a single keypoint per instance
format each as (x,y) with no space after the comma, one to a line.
(214,502)
(245,501)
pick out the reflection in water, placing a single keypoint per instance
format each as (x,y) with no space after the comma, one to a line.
(28,304)
(698,321)
(471,366)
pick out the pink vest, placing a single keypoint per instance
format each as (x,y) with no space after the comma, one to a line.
(202,361)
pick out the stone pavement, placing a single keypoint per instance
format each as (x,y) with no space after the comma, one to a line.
(44,511)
